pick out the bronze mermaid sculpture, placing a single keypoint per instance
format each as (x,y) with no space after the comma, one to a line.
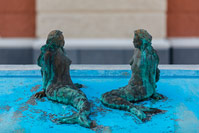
(142,85)
(57,83)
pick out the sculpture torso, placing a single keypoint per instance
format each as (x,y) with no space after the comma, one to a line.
(143,80)
(145,63)
(60,69)
(55,68)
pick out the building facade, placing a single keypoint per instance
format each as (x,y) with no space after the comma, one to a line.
(99,32)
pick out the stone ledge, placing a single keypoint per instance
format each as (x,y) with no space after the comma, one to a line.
(101,5)
(184,43)
(97,67)
(166,71)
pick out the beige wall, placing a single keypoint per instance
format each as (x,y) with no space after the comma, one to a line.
(101,18)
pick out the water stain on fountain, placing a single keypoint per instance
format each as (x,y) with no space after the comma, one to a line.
(35,88)
(19,99)
(32,100)
(102,129)
(5,107)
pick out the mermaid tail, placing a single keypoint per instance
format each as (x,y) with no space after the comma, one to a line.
(113,100)
(78,100)
(145,113)
(75,119)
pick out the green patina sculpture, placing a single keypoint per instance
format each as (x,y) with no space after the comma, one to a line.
(57,83)
(142,85)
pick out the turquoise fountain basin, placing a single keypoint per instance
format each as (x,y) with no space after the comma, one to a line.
(21,112)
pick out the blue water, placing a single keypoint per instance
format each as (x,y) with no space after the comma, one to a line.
(21,113)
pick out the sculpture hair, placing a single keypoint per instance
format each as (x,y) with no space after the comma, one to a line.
(54,38)
(144,36)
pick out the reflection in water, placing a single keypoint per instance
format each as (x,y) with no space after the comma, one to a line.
(9,121)
(188,123)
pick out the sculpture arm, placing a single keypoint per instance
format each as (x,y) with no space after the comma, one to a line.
(157,69)
(39,60)
(41,56)
(157,74)
(41,93)
(157,96)
(47,69)
(131,61)
(45,76)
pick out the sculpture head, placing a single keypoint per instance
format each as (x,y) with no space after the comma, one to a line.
(55,39)
(142,39)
